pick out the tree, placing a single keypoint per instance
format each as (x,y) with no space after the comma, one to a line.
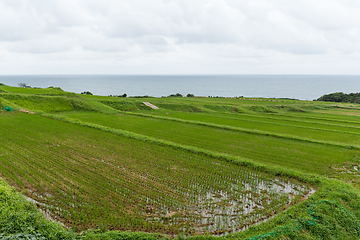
(24,85)
(176,95)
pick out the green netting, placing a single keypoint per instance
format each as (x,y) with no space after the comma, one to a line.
(7,108)
(349,221)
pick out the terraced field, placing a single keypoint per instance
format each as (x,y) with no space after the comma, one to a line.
(195,166)
(83,178)
(292,153)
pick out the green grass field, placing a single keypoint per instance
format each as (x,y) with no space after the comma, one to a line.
(213,166)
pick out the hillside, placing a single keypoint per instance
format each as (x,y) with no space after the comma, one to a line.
(239,168)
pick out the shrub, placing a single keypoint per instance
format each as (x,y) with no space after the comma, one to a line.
(87,93)
(124,95)
(190,95)
(145,96)
(56,88)
(340,97)
(175,95)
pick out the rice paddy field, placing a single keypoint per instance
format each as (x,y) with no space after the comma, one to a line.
(240,168)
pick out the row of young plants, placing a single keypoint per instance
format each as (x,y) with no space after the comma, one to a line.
(320,121)
(20,219)
(322,118)
(85,182)
(251,131)
(296,154)
(335,190)
(335,133)
(343,192)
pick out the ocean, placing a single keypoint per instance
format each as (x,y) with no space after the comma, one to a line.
(304,87)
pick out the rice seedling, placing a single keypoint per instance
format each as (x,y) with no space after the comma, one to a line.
(128,184)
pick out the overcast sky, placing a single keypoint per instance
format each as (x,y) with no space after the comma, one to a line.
(179,37)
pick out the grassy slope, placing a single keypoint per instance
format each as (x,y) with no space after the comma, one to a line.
(341,193)
(20,218)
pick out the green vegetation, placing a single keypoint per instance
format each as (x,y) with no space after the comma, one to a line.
(21,219)
(213,187)
(176,95)
(114,168)
(48,103)
(36,91)
(87,93)
(341,97)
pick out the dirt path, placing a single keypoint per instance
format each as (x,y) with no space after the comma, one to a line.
(150,105)
(25,111)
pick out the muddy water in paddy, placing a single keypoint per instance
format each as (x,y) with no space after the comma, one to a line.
(233,209)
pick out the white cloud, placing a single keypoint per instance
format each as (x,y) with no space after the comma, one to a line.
(168,36)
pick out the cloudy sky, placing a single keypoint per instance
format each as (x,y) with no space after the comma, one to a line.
(179,37)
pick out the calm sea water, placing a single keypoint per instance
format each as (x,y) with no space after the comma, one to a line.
(305,87)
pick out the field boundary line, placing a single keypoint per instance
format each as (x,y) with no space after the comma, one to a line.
(295,120)
(255,132)
(292,120)
(283,124)
(313,128)
(275,170)
(318,118)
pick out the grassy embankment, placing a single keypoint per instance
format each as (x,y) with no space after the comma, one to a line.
(288,139)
